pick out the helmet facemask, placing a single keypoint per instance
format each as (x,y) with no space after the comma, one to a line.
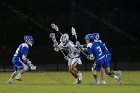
(64,38)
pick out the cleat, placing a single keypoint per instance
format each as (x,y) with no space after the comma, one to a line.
(119,79)
(9,82)
(18,79)
(77,81)
(102,82)
(95,82)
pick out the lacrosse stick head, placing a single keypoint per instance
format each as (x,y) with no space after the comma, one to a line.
(54,26)
(73,31)
(52,35)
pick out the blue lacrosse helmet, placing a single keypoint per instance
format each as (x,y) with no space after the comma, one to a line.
(28,38)
(96,35)
(88,36)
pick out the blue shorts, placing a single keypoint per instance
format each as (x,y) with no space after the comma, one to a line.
(17,64)
(98,64)
(107,61)
(104,62)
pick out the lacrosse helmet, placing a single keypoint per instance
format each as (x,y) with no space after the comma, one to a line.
(64,38)
(96,36)
(29,40)
(88,36)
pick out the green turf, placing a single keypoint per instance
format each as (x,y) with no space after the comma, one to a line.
(62,82)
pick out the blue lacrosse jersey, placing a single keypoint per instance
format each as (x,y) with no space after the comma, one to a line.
(17,58)
(104,48)
(95,49)
(21,50)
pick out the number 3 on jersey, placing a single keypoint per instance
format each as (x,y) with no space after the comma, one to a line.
(100,50)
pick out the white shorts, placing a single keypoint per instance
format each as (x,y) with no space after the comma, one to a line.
(74,61)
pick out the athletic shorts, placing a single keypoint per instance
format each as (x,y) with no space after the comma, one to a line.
(17,64)
(104,62)
(107,61)
(74,61)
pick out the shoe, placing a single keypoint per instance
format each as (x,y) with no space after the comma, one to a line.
(119,75)
(18,78)
(77,81)
(10,82)
(95,82)
(102,82)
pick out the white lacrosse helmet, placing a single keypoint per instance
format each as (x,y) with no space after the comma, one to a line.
(64,38)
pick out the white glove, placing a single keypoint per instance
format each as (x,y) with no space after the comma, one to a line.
(33,67)
(55,45)
(91,57)
(29,63)
(56,49)
(78,43)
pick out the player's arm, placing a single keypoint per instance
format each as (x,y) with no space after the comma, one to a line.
(25,59)
(81,47)
(90,52)
(59,47)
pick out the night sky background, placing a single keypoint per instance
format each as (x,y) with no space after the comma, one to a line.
(117,21)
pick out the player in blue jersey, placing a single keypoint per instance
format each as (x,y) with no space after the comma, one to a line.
(101,60)
(89,41)
(20,60)
(107,53)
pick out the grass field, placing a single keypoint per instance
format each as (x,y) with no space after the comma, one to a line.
(62,82)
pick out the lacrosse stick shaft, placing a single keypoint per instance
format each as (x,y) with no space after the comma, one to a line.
(74,33)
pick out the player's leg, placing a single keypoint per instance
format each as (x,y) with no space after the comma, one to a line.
(102,73)
(94,73)
(70,69)
(10,81)
(114,74)
(76,62)
(17,67)
(74,75)
(74,69)
(25,68)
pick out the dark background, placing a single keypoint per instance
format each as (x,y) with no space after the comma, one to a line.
(117,21)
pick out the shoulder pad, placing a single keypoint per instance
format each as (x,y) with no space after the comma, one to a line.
(24,45)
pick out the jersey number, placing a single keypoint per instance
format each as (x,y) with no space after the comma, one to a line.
(100,51)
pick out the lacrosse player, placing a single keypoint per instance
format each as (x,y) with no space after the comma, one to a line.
(107,55)
(101,61)
(20,60)
(89,41)
(73,55)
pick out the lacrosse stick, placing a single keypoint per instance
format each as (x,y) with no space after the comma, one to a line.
(74,34)
(55,27)
(52,36)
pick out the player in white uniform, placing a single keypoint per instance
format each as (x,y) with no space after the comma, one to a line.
(73,56)
(20,60)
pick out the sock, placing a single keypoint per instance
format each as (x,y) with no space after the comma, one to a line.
(79,74)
